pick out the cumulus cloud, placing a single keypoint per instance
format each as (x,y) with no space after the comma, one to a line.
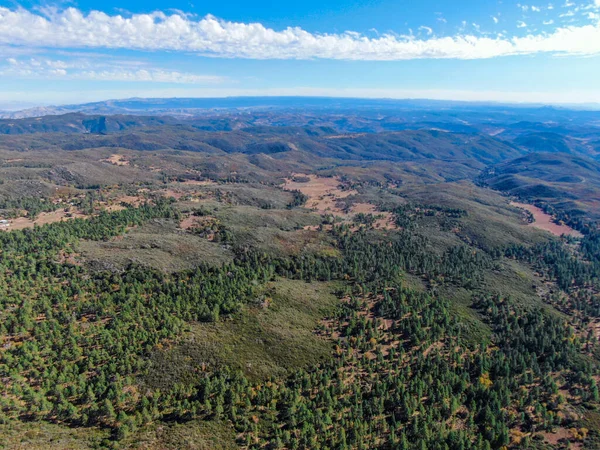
(210,36)
(86,70)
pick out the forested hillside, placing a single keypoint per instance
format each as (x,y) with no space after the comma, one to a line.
(165,286)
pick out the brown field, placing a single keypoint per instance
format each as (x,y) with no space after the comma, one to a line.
(386,222)
(543,221)
(134,200)
(43,218)
(199,182)
(194,221)
(325,192)
(117,160)
(188,223)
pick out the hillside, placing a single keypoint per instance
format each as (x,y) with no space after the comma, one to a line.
(80,132)
(172,284)
(557,143)
(568,182)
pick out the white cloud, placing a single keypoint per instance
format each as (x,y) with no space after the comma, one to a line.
(209,36)
(495,19)
(521,24)
(548,22)
(427,30)
(36,68)
(536,9)
(154,75)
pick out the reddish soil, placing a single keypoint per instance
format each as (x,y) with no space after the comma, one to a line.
(544,221)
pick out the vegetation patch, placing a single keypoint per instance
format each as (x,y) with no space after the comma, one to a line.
(192,435)
(270,338)
(158,244)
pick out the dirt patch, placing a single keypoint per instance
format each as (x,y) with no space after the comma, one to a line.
(117,160)
(175,193)
(324,194)
(384,220)
(117,204)
(544,221)
(188,223)
(199,183)
(562,434)
(43,218)
(195,221)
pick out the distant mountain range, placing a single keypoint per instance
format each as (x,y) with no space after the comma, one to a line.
(200,106)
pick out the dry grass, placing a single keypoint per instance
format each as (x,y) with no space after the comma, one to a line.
(545,222)
(43,218)
(117,160)
(324,195)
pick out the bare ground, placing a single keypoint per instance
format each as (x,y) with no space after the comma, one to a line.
(325,192)
(544,221)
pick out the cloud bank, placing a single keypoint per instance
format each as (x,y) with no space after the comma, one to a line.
(36,68)
(210,36)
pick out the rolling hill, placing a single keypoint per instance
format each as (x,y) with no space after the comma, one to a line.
(571,183)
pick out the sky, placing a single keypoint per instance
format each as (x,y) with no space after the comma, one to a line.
(75,51)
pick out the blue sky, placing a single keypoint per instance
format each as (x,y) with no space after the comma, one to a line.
(76,51)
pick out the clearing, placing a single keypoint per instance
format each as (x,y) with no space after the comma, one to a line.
(324,194)
(43,218)
(117,160)
(545,222)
